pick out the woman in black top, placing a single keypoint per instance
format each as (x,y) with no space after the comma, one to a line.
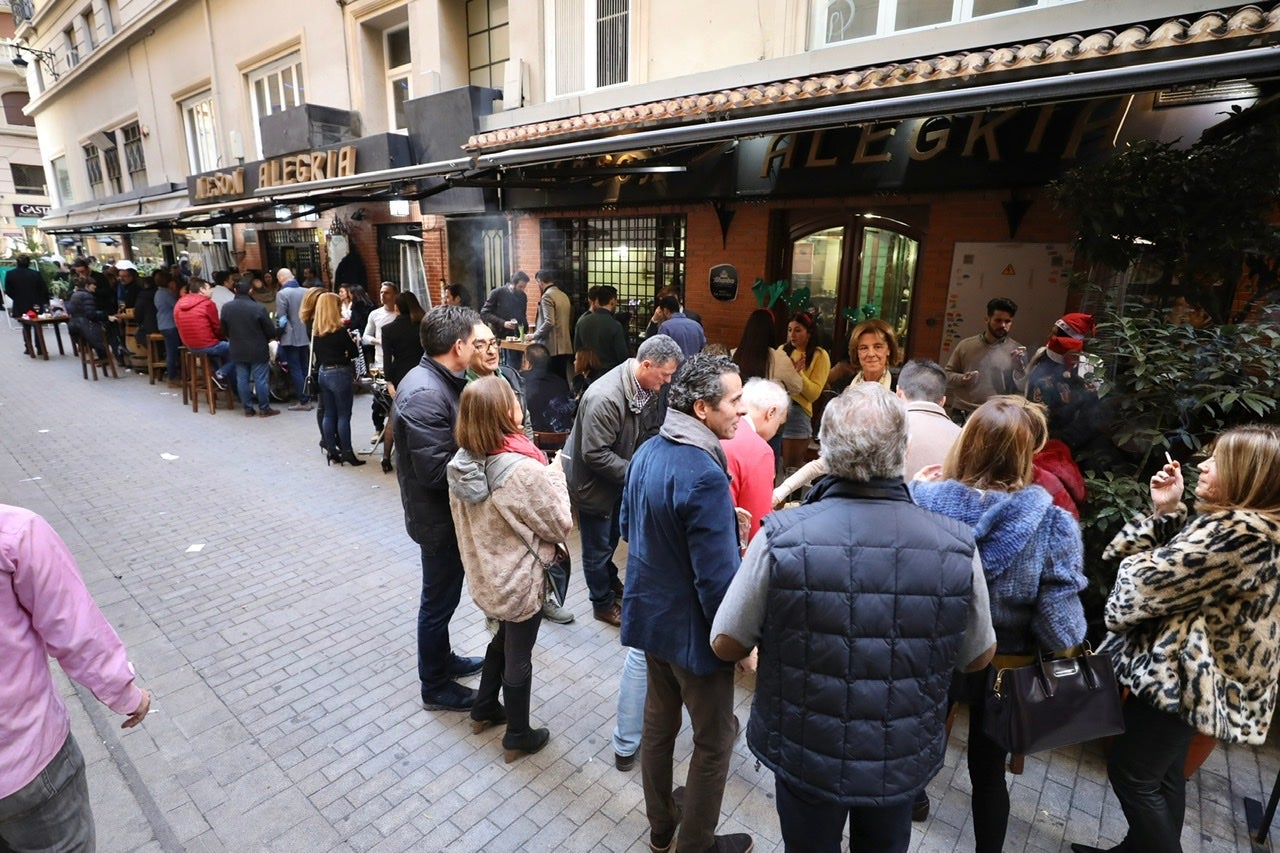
(334,350)
(401,352)
(402,340)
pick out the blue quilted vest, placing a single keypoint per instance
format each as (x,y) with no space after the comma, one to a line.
(867,606)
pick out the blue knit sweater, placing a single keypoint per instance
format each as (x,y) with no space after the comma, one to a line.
(1032,556)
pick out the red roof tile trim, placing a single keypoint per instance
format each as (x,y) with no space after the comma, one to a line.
(1248,21)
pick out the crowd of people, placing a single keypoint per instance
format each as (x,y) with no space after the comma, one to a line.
(924,554)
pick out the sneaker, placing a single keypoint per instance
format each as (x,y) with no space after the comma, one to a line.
(220,381)
(268,412)
(451,697)
(611,614)
(553,613)
(300,407)
(625,763)
(460,667)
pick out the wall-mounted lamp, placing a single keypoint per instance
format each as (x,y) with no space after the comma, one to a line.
(44,58)
(398,207)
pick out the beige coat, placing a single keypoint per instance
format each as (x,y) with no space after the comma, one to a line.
(503,505)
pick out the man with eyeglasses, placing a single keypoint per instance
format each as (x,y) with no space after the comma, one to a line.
(422,421)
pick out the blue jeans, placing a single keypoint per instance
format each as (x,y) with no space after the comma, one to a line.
(814,826)
(297,360)
(218,355)
(259,373)
(600,537)
(337,389)
(172,342)
(441,590)
(632,687)
(52,812)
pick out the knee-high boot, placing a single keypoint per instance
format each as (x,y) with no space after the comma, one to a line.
(520,739)
(488,711)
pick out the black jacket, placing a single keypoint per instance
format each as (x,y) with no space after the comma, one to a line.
(248,329)
(26,288)
(144,313)
(865,615)
(401,348)
(422,421)
(504,303)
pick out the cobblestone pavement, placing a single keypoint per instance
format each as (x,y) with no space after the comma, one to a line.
(270,603)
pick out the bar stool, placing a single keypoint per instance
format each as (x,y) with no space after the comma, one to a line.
(89,361)
(182,374)
(199,370)
(155,356)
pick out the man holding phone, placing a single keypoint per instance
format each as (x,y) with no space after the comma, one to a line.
(988,363)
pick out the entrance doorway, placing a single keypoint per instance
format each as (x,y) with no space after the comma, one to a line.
(479,255)
(856,266)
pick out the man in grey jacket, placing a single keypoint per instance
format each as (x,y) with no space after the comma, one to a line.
(609,427)
(295,344)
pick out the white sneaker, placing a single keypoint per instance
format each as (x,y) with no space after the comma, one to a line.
(553,613)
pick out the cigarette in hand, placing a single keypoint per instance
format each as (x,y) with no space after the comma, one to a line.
(1168,458)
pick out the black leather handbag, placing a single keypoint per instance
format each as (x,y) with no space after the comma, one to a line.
(1053,703)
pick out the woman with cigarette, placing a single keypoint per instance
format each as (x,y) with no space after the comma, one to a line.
(1195,632)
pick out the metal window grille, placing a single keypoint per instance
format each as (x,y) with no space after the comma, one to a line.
(93,166)
(27,180)
(112,157)
(638,255)
(488,42)
(135,159)
(611,41)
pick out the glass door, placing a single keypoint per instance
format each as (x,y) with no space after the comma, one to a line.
(855,267)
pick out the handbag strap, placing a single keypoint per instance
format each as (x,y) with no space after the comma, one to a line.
(511,524)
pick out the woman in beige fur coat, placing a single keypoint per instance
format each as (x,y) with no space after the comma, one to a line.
(507,504)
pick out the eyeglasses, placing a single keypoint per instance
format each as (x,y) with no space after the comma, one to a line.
(491,343)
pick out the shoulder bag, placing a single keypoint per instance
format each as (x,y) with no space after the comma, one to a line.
(556,573)
(1052,703)
(311,386)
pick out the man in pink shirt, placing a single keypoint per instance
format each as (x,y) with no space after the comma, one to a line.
(751,461)
(46,611)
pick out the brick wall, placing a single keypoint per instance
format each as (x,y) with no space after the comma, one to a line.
(951,218)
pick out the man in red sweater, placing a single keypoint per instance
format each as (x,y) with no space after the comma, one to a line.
(751,461)
(196,317)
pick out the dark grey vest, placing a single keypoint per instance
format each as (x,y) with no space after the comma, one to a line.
(867,605)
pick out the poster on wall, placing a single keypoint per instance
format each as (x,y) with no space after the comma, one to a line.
(1034,275)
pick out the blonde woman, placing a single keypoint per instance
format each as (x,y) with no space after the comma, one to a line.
(334,351)
(1195,632)
(510,509)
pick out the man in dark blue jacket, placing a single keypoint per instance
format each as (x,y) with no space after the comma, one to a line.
(422,421)
(862,604)
(249,331)
(682,538)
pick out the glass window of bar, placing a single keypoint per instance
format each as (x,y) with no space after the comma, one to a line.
(488,42)
(638,255)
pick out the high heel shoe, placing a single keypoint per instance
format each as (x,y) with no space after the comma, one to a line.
(350,458)
(386,465)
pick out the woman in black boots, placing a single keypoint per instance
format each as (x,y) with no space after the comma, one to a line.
(334,351)
(510,509)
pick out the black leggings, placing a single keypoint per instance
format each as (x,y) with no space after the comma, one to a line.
(986,759)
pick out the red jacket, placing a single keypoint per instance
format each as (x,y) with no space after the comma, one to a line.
(196,317)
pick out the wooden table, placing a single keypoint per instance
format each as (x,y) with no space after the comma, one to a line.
(38,325)
(516,346)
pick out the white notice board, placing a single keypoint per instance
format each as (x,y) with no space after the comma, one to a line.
(1034,275)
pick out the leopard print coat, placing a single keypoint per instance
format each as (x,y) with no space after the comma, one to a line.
(1193,618)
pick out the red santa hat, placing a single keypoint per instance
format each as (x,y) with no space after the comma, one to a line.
(1075,325)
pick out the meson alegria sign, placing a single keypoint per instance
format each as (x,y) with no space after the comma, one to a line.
(277,172)
(1028,145)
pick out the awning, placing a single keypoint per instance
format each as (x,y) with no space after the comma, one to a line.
(133,215)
